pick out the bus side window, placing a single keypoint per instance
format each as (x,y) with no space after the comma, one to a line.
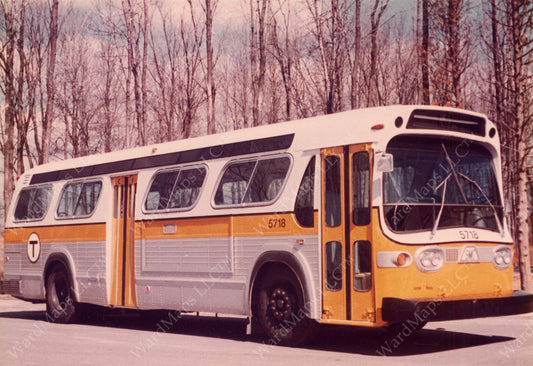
(79,199)
(304,206)
(177,189)
(33,203)
(234,182)
(361,188)
(268,179)
(332,167)
(256,181)
(160,191)
(187,188)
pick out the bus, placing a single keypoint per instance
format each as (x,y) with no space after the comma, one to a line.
(389,216)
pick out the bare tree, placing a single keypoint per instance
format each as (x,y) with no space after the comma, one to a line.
(328,31)
(511,108)
(374,95)
(209,8)
(75,99)
(520,18)
(284,50)
(258,55)
(423,48)
(166,75)
(7,58)
(108,96)
(356,58)
(191,97)
(451,29)
(50,87)
(136,22)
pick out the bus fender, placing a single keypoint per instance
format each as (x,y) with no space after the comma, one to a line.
(64,258)
(291,261)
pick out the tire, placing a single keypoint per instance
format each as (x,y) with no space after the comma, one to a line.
(61,306)
(281,311)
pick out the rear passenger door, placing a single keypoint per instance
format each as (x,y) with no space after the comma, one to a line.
(123,242)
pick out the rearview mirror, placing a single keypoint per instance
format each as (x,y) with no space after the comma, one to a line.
(385,163)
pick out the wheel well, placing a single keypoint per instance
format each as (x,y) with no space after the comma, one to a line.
(275,262)
(58,260)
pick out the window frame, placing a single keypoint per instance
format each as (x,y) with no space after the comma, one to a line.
(257,159)
(45,213)
(83,182)
(172,170)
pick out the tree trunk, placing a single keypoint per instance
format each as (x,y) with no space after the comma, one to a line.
(8,60)
(374,97)
(22,123)
(258,53)
(210,82)
(425,53)
(519,12)
(50,87)
(354,91)
(133,67)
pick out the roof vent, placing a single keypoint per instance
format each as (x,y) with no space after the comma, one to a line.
(447,121)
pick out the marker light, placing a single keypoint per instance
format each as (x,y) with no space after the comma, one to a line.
(401,259)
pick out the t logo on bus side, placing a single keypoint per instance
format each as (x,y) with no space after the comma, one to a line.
(34,248)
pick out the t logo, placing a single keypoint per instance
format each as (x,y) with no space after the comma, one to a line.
(34,248)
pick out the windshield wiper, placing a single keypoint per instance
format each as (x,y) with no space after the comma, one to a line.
(486,198)
(443,198)
(456,177)
(450,163)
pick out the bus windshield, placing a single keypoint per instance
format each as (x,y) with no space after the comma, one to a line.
(441,183)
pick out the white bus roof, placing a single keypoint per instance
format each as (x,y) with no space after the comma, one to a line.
(370,125)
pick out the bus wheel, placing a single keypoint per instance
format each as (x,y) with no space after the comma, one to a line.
(280,310)
(61,307)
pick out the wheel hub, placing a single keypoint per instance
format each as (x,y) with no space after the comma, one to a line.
(281,304)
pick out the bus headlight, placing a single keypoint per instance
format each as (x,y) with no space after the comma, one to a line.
(429,259)
(503,256)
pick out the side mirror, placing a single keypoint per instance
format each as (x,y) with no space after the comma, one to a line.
(385,163)
(508,208)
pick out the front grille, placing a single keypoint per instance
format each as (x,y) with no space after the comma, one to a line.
(452,255)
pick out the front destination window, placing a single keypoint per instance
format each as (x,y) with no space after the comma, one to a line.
(440,183)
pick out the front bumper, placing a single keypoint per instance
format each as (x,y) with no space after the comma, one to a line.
(398,310)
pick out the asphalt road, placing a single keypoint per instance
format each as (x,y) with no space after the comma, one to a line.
(159,339)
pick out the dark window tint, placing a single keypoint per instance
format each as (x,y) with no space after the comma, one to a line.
(332,167)
(304,206)
(361,188)
(252,181)
(178,189)
(333,265)
(33,203)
